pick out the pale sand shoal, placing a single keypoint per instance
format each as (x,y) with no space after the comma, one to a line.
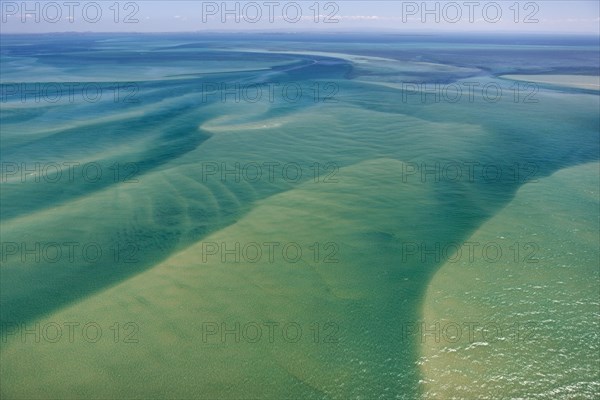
(590,82)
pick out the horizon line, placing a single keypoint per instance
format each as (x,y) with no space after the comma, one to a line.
(328,32)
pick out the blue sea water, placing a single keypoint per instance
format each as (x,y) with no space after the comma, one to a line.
(121,189)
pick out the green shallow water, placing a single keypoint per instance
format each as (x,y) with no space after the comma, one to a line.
(539,306)
(365,210)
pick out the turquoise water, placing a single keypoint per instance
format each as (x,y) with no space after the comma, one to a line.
(361,211)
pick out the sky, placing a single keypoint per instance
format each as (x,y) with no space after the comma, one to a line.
(542,16)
